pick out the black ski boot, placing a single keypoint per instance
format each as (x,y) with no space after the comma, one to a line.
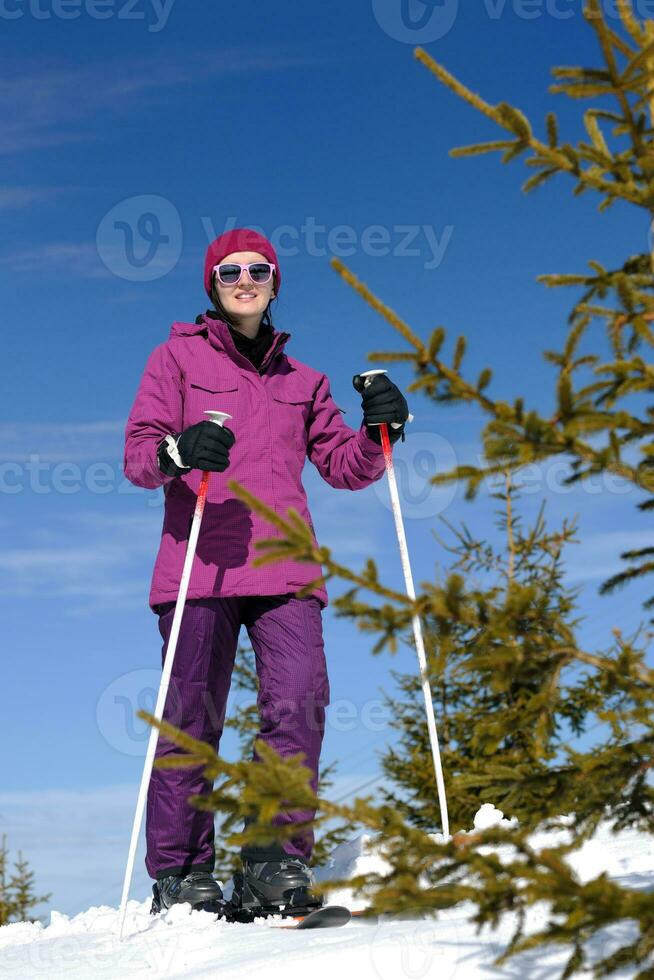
(271,886)
(199,888)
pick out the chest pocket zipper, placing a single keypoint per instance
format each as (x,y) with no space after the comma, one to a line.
(210,393)
(213,386)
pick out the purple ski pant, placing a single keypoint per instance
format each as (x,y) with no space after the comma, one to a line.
(286,636)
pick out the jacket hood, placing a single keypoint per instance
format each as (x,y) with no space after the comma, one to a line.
(210,326)
(181,329)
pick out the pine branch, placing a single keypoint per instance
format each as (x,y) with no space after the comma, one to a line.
(297,543)
(377,305)
(551,157)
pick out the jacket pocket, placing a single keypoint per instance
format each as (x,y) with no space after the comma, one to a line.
(292,413)
(204,394)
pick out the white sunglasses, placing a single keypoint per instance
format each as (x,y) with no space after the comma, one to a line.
(229,273)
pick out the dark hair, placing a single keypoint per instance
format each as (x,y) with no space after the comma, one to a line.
(266,319)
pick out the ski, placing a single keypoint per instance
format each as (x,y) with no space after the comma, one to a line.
(327,917)
(322,917)
(361,913)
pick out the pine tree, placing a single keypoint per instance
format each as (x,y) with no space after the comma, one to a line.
(17,895)
(6,904)
(509,694)
(22,885)
(496,677)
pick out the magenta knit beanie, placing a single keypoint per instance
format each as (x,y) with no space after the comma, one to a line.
(239,240)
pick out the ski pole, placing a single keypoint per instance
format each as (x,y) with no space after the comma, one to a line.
(218,418)
(417,626)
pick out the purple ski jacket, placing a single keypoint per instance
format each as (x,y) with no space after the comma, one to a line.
(281,413)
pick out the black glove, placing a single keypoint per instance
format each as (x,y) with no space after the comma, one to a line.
(203,446)
(382,401)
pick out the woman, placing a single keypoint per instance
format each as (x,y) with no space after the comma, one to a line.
(234,360)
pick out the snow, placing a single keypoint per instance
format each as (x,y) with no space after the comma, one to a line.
(182,943)
(489,816)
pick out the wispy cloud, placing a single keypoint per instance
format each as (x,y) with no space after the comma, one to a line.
(93,561)
(14,198)
(63,441)
(56,105)
(81,260)
(597,556)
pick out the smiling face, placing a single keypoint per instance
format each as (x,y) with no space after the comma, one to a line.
(245,301)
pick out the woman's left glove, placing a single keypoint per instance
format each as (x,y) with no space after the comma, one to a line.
(382,401)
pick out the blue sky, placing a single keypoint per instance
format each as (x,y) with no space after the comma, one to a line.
(316,125)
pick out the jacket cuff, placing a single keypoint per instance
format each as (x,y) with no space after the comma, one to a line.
(373,433)
(369,446)
(168,458)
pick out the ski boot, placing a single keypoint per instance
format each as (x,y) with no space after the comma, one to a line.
(199,888)
(274,887)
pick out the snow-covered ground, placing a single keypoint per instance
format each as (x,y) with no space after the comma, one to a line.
(193,945)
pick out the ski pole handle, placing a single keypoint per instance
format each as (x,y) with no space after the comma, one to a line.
(217,417)
(368,375)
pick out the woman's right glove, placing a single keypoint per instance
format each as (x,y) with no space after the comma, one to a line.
(203,446)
